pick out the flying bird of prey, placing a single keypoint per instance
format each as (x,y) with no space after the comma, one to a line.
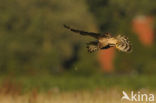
(104,41)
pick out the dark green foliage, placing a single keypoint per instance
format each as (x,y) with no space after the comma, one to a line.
(32,37)
(33,40)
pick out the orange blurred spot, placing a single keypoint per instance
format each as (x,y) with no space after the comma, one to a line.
(106,58)
(143,26)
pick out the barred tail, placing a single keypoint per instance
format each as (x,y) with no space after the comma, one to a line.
(123,44)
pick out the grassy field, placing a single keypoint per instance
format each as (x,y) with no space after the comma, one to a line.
(97,96)
(72,89)
(79,82)
(64,97)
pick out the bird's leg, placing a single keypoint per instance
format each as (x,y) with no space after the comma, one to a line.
(92,46)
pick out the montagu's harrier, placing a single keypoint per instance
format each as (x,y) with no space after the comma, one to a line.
(104,41)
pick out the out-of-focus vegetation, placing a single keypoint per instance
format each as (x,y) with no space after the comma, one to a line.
(33,39)
(41,62)
(81,96)
(24,84)
(34,42)
(107,96)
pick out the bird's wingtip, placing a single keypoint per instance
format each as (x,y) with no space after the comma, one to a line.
(66,26)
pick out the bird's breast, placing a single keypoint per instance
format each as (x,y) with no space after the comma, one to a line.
(103,42)
(108,40)
(112,41)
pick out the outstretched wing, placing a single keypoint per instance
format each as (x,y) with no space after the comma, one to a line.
(95,35)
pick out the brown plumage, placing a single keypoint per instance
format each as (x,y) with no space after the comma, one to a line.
(104,41)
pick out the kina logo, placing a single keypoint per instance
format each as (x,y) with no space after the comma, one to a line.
(137,97)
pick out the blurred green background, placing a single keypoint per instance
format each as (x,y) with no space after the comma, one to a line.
(37,52)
